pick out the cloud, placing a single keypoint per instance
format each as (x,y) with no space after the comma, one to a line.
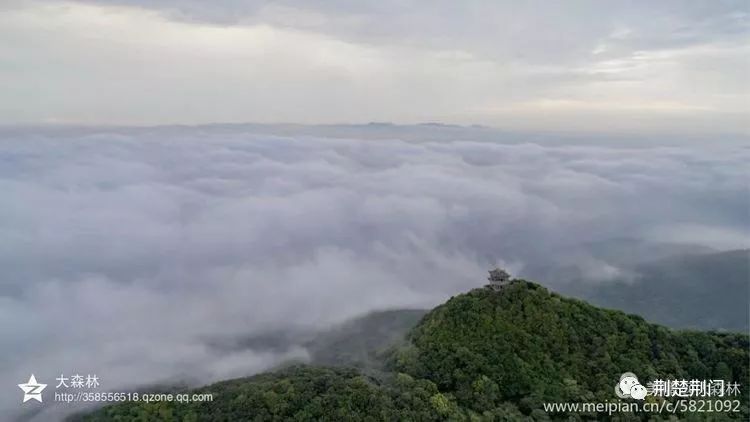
(127,251)
(723,238)
(619,66)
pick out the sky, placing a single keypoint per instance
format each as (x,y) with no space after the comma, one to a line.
(615,66)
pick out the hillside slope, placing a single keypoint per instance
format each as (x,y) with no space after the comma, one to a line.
(297,393)
(483,355)
(358,342)
(527,345)
(706,291)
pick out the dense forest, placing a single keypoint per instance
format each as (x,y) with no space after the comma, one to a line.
(526,345)
(483,355)
(302,393)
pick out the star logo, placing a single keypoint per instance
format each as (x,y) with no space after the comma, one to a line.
(32,390)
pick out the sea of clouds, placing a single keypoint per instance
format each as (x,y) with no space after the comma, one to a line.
(128,252)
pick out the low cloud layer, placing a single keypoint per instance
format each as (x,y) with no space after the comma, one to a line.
(126,252)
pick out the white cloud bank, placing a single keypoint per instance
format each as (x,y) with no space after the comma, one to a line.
(125,251)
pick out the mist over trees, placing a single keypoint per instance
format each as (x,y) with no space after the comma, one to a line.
(107,228)
(489,354)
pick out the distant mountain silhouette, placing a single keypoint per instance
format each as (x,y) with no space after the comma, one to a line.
(706,291)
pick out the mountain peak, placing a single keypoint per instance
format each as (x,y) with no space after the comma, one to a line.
(530,345)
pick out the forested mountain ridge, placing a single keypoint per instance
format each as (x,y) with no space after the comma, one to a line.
(359,342)
(483,355)
(526,345)
(697,291)
(680,286)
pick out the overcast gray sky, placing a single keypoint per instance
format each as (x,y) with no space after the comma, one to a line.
(575,65)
